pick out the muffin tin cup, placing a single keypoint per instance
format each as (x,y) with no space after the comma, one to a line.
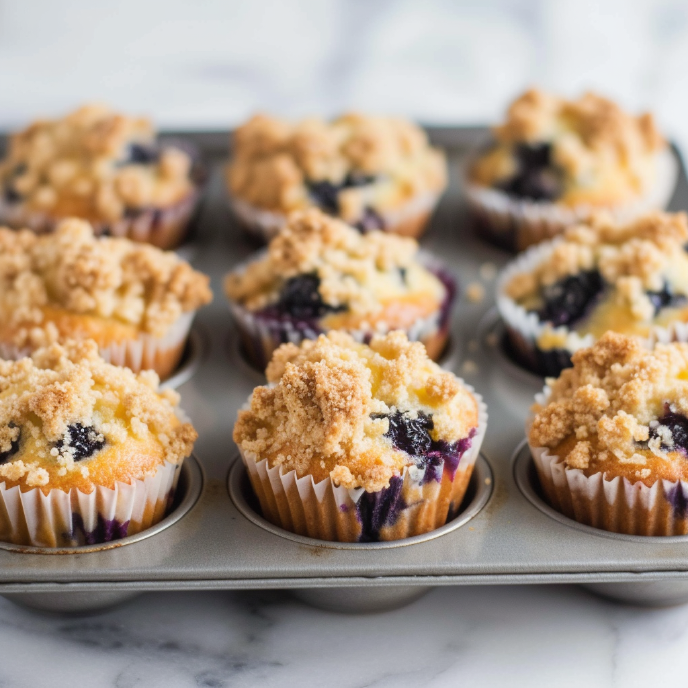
(410,220)
(146,352)
(69,519)
(617,505)
(413,504)
(261,335)
(516,224)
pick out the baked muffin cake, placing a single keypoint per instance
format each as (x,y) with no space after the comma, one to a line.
(89,452)
(104,167)
(318,274)
(136,301)
(610,437)
(358,443)
(563,295)
(553,161)
(372,172)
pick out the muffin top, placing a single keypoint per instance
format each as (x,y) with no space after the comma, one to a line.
(69,279)
(347,166)
(621,410)
(604,276)
(586,151)
(70,420)
(357,414)
(95,164)
(318,267)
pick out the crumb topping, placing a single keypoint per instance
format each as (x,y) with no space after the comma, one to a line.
(71,270)
(605,154)
(606,412)
(274,161)
(94,163)
(65,404)
(324,413)
(355,270)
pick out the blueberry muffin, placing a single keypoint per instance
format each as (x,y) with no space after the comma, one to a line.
(372,172)
(319,274)
(98,446)
(136,301)
(553,161)
(358,443)
(610,437)
(100,166)
(565,294)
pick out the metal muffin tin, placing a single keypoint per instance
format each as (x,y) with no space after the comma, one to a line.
(505,533)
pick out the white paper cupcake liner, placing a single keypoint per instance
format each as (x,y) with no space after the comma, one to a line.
(413,504)
(617,505)
(69,519)
(409,220)
(261,334)
(517,224)
(524,329)
(161,354)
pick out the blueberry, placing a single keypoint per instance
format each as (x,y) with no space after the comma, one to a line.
(300,297)
(83,441)
(370,221)
(411,435)
(665,298)
(12,195)
(536,178)
(14,448)
(142,154)
(325,193)
(569,299)
(678,425)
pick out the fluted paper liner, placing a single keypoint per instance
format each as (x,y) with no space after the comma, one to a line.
(516,224)
(146,352)
(69,519)
(524,329)
(408,220)
(161,227)
(260,336)
(617,505)
(325,511)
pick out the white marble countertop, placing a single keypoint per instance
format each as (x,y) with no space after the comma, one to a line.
(469,636)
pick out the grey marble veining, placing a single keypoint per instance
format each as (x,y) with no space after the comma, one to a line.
(482,636)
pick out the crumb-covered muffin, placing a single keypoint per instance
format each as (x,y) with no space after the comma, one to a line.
(610,437)
(96,445)
(352,442)
(629,278)
(136,301)
(553,161)
(318,274)
(372,172)
(104,167)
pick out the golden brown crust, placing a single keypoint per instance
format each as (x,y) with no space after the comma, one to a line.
(606,155)
(78,166)
(356,270)
(42,398)
(273,159)
(602,414)
(71,272)
(316,416)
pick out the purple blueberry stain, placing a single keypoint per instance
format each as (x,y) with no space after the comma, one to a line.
(106,530)
(375,510)
(370,221)
(666,298)
(571,298)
